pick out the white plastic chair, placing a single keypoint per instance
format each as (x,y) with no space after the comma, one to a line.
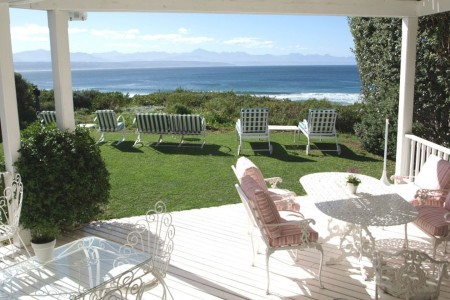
(10,209)
(253,125)
(107,121)
(321,124)
(408,274)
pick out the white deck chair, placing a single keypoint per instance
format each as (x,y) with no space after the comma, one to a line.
(47,117)
(253,125)
(10,209)
(107,121)
(321,124)
(152,123)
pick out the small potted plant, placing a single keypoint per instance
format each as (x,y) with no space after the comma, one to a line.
(352,183)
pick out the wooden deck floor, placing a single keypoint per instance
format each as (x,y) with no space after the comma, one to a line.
(212,258)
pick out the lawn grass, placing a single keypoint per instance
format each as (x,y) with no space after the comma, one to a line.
(190,177)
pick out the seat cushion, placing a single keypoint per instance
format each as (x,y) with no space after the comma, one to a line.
(292,234)
(431,220)
(434,174)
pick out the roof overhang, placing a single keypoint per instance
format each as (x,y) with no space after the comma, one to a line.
(364,8)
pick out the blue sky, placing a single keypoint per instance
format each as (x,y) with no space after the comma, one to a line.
(141,32)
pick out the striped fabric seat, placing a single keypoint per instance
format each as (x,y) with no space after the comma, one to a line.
(431,220)
(276,232)
(188,125)
(152,123)
(253,124)
(107,121)
(176,124)
(321,124)
(47,117)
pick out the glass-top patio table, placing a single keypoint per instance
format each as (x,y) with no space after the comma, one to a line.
(374,204)
(83,269)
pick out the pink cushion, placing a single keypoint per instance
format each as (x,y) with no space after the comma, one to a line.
(245,167)
(447,202)
(267,213)
(292,234)
(434,174)
(432,221)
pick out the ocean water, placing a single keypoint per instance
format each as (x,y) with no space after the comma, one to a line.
(335,83)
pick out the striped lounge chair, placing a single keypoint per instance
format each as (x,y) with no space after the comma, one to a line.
(188,125)
(107,121)
(151,123)
(47,117)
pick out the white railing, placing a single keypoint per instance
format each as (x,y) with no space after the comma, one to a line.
(420,150)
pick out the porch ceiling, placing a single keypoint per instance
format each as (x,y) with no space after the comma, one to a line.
(369,8)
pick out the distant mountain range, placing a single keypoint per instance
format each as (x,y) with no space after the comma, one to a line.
(40,59)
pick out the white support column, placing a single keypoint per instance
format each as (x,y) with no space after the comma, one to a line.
(62,77)
(8,99)
(406,95)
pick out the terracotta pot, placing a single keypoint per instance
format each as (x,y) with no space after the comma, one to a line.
(44,252)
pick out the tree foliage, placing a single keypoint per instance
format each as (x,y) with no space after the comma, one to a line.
(377,50)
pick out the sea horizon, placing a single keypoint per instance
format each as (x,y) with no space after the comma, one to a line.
(337,83)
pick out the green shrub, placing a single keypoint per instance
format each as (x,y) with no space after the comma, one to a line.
(111,100)
(178,108)
(65,179)
(84,98)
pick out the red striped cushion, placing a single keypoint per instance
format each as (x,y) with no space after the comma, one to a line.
(431,220)
(267,213)
(292,234)
(434,174)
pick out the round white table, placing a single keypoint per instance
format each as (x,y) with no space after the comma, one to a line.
(374,203)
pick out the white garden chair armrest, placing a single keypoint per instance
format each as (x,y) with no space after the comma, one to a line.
(428,197)
(273,181)
(120,118)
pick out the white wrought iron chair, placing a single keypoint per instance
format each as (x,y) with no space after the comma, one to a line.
(47,117)
(408,274)
(10,209)
(278,233)
(153,234)
(107,121)
(321,124)
(253,125)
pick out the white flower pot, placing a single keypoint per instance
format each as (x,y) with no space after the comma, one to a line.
(44,252)
(351,188)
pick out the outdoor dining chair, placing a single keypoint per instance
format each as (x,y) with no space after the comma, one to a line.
(153,234)
(276,232)
(321,124)
(253,124)
(408,274)
(107,121)
(10,209)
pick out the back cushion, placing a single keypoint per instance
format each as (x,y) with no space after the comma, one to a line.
(434,174)
(245,167)
(267,213)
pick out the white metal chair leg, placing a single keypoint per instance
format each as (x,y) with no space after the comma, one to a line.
(101,139)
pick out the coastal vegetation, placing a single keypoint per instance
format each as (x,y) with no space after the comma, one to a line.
(378,54)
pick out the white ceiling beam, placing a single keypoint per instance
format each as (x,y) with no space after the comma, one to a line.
(374,8)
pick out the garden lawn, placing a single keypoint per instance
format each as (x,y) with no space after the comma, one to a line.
(189,177)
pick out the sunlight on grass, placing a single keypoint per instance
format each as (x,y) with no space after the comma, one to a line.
(190,177)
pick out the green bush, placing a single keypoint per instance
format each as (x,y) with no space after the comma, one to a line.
(65,179)
(84,98)
(178,108)
(112,100)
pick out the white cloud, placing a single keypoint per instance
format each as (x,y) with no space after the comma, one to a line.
(177,38)
(183,30)
(249,42)
(30,33)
